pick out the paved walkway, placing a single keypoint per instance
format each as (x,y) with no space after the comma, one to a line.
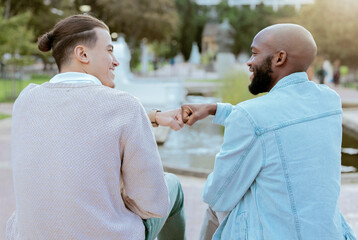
(350,112)
(6,108)
(349,96)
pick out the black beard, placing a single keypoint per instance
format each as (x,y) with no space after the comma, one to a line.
(262,77)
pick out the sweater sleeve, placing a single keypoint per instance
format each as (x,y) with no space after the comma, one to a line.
(144,190)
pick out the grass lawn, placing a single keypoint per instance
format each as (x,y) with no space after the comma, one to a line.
(9,87)
(235,88)
(3,116)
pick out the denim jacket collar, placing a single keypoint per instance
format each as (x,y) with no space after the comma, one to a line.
(291,79)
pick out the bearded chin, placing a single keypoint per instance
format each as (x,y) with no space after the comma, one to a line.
(260,83)
(262,78)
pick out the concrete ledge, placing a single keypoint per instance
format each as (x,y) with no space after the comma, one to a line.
(161,134)
(206,89)
(347,178)
(350,104)
(193,172)
(5,123)
(350,122)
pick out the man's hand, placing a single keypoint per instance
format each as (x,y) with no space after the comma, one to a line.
(194,112)
(172,119)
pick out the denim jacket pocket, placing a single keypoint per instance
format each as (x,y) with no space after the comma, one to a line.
(234,227)
(241,226)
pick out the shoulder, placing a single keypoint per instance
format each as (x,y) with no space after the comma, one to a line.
(327,90)
(255,104)
(119,97)
(30,87)
(28,90)
(263,110)
(241,114)
(123,103)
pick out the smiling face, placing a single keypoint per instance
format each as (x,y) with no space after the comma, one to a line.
(101,59)
(260,64)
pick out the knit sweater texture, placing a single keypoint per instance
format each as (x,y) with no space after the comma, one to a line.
(73,146)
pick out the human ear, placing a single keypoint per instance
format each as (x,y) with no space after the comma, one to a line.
(80,54)
(281,58)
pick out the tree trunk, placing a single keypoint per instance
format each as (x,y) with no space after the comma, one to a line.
(7,9)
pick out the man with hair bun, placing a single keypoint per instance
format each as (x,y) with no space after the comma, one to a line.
(277,175)
(84,158)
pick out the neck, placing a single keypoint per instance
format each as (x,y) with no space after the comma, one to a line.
(72,68)
(278,76)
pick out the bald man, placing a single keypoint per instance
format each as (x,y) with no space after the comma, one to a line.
(277,175)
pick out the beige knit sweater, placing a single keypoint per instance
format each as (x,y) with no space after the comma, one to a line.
(71,145)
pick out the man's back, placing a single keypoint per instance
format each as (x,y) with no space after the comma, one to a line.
(299,184)
(71,144)
(287,181)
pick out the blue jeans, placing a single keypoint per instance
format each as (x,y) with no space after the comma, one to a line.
(172,226)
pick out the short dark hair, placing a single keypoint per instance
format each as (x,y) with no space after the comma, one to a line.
(67,34)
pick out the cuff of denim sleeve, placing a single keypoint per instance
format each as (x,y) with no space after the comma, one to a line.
(222,112)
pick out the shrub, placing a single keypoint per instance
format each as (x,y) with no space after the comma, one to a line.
(235,88)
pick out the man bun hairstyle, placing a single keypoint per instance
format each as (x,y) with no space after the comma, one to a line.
(67,34)
(45,42)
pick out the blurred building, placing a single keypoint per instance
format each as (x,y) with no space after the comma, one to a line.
(274,3)
(209,38)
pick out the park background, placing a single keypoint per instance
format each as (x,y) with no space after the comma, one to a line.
(176,43)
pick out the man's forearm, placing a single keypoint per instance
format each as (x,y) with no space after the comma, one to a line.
(211,108)
(194,112)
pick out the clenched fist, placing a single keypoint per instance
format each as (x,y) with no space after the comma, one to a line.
(172,119)
(194,112)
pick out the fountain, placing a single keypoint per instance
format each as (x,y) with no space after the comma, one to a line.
(225,59)
(195,54)
(152,92)
(144,58)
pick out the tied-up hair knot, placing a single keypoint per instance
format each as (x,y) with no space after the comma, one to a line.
(49,37)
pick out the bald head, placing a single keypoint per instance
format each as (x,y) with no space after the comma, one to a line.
(296,41)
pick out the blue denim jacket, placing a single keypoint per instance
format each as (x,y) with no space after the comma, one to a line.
(278,171)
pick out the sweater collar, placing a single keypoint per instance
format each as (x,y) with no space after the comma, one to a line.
(75,77)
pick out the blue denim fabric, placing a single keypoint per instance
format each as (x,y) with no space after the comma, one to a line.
(278,171)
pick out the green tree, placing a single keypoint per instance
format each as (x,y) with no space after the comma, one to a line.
(156,21)
(44,13)
(333,25)
(137,19)
(16,39)
(246,22)
(192,21)
(44,16)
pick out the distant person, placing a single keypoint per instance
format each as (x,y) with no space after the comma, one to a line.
(321,74)
(155,64)
(277,175)
(336,73)
(76,142)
